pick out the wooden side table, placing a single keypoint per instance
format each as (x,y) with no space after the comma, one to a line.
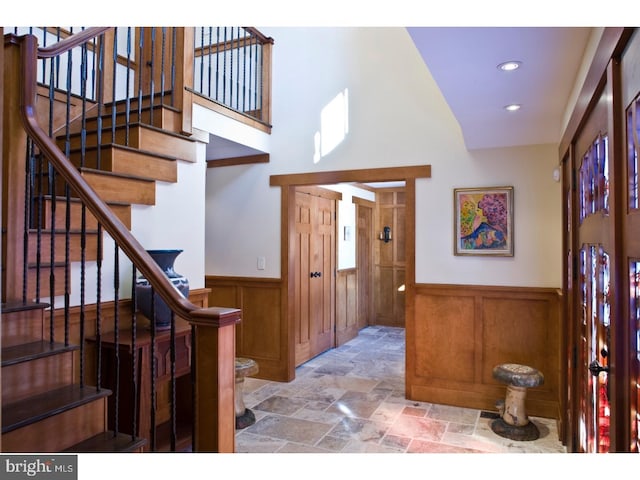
(141,398)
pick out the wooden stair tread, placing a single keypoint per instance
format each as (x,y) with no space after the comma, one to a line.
(62,198)
(61,231)
(132,125)
(108,442)
(39,407)
(32,351)
(115,174)
(117,146)
(19,306)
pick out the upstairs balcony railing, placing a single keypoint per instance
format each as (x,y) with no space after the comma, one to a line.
(224,68)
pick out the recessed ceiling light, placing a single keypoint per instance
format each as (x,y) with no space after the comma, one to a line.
(509,66)
(513,107)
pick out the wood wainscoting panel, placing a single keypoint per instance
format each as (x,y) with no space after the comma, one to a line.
(521,330)
(446,339)
(346,305)
(261,334)
(463,331)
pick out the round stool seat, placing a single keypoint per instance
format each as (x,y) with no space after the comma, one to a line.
(245,367)
(518,375)
(514,422)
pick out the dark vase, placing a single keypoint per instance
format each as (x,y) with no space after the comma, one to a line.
(165,259)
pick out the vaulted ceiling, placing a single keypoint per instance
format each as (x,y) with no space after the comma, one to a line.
(463,61)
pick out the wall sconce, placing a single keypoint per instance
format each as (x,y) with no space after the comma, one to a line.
(385,234)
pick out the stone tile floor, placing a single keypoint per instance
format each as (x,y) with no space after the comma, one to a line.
(351,399)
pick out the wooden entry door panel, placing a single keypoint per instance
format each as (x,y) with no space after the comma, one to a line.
(596,253)
(314,259)
(630,79)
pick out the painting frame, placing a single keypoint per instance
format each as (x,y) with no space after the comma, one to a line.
(477,233)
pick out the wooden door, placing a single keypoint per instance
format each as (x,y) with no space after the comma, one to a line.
(603,272)
(630,336)
(364,263)
(390,263)
(314,258)
(596,274)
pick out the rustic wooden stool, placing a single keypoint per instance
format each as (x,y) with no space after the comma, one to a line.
(245,367)
(514,422)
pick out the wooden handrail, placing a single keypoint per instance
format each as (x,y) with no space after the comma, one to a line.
(213,316)
(70,42)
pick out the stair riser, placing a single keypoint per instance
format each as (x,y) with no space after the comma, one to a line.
(129,162)
(58,432)
(144,139)
(122,189)
(114,189)
(44,282)
(22,327)
(160,118)
(123,212)
(75,247)
(25,379)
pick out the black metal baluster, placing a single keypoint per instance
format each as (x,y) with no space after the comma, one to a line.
(52,195)
(173,381)
(210,49)
(218,54)
(99,310)
(244,71)
(174,42)
(162,64)
(57,61)
(231,76)
(251,69)
(67,240)
(116,337)
(134,359)
(260,80)
(38,266)
(152,67)
(224,69)
(114,82)
(99,246)
(127,102)
(83,228)
(152,362)
(192,369)
(140,75)
(99,62)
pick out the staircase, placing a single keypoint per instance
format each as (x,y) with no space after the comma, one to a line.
(45,408)
(61,124)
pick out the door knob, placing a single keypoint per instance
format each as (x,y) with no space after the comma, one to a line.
(596,369)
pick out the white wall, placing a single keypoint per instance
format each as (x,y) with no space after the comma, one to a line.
(175,221)
(397,117)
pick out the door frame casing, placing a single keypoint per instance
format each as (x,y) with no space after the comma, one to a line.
(288,184)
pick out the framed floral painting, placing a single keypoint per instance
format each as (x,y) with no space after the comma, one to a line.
(483,221)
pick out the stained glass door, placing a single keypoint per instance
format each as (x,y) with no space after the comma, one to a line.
(594,416)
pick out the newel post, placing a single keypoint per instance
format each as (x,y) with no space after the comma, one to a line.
(214,344)
(14,161)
